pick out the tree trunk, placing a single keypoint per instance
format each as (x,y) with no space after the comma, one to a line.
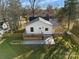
(68,24)
(33,12)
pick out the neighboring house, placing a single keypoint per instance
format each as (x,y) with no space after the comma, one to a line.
(65,24)
(22,22)
(4,27)
(39,26)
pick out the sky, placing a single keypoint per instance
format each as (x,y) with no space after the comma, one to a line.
(45,3)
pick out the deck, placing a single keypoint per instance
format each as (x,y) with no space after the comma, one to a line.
(35,36)
(32,37)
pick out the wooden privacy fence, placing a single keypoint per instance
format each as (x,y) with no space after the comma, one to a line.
(32,37)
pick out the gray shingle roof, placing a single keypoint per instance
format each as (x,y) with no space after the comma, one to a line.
(41,19)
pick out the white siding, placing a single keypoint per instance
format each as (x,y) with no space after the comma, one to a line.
(39,24)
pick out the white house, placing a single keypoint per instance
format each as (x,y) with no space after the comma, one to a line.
(35,28)
(5,26)
(39,26)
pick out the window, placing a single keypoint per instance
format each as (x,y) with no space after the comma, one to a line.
(46,29)
(32,29)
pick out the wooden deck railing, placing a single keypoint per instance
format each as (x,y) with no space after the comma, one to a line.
(32,36)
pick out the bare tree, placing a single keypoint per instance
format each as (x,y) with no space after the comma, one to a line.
(50,10)
(3,6)
(34,5)
(14,12)
(70,10)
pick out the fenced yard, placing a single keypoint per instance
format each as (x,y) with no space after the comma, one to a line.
(64,48)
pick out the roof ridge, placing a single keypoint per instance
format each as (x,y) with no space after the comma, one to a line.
(45,21)
(40,19)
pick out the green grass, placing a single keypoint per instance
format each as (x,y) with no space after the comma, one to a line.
(8,51)
(64,46)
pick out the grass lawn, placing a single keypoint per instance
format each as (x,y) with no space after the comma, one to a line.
(63,49)
(8,51)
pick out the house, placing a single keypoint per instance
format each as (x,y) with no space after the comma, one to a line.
(39,26)
(22,22)
(38,31)
(4,27)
